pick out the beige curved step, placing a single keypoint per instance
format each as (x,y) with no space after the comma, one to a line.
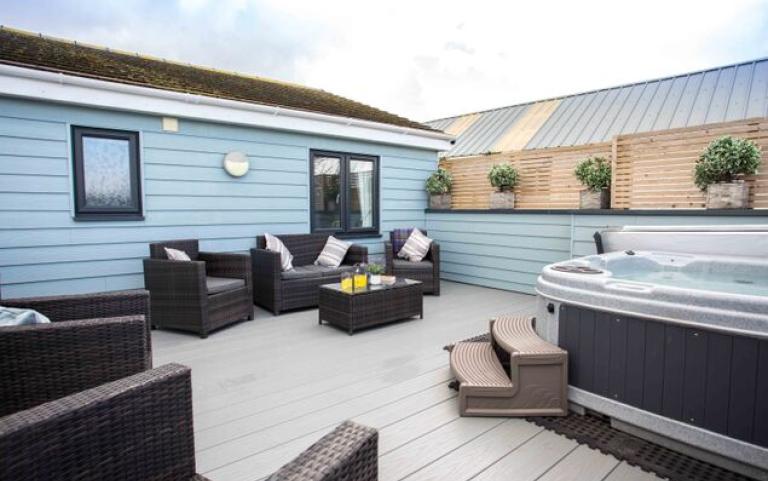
(475,364)
(516,335)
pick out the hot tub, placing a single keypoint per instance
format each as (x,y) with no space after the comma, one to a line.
(674,344)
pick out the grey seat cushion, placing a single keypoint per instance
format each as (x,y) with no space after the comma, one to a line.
(303,272)
(336,271)
(402,264)
(216,285)
(313,271)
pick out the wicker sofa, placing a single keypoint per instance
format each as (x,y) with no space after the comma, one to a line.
(92,339)
(348,453)
(211,291)
(278,291)
(78,399)
(137,427)
(427,271)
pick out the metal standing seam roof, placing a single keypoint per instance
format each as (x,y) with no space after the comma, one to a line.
(732,92)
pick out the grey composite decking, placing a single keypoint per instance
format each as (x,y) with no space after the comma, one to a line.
(265,390)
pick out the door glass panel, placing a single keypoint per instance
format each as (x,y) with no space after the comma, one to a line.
(107,172)
(326,192)
(360,194)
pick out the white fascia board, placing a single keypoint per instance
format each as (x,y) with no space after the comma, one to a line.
(70,89)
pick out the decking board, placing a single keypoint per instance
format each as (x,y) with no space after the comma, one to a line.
(266,390)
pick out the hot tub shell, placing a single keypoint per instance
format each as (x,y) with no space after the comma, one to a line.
(684,363)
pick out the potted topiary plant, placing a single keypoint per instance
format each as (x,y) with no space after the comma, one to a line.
(439,188)
(720,172)
(594,173)
(504,178)
(375,271)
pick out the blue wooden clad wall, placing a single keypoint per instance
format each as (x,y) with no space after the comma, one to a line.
(186,194)
(507,251)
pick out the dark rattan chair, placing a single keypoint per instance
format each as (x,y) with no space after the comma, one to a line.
(427,271)
(211,291)
(92,339)
(138,427)
(278,291)
(349,453)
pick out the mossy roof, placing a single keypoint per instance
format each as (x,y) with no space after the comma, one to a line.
(45,53)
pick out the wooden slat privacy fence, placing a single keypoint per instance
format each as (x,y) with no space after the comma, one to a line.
(546,177)
(651,170)
(655,170)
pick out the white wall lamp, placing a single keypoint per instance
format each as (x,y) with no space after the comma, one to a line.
(236,164)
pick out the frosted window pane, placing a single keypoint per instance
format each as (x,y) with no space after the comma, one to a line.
(107,171)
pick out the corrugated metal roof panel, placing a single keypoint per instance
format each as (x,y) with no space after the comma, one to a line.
(485,131)
(732,92)
(442,124)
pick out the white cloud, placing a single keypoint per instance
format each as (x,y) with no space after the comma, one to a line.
(425,59)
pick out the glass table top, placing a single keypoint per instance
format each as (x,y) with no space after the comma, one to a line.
(399,282)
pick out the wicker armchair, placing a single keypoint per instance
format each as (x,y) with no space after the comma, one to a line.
(427,271)
(277,291)
(211,291)
(138,427)
(92,339)
(349,453)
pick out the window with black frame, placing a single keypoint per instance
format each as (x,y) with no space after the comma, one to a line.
(345,192)
(106,174)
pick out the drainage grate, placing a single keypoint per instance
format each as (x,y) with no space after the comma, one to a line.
(597,433)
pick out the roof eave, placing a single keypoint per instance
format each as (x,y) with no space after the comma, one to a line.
(71,89)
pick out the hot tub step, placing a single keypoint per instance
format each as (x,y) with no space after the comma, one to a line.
(516,336)
(485,389)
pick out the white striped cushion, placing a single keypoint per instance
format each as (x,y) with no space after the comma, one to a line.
(416,247)
(176,254)
(276,245)
(333,253)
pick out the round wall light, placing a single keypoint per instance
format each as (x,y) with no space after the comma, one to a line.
(236,164)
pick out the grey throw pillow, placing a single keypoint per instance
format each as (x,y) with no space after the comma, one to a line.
(334,252)
(11,316)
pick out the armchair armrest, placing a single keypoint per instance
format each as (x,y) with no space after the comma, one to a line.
(389,258)
(139,427)
(356,254)
(434,254)
(177,279)
(87,306)
(47,361)
(227,264)
(349,452)
(266,270)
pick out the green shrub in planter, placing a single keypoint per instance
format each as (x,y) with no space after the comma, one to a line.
(503,176)
(726,159)
(440,182)
(375,269)
(439,187)
(594,173)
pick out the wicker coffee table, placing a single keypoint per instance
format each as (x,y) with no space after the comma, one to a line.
(372,306)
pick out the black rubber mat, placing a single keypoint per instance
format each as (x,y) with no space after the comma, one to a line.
(596,432)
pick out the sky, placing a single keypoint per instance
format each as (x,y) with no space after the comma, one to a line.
(421,59)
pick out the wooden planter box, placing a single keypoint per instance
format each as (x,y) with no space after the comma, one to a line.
(440,201)
(728,195)
(589,199)
(503,200)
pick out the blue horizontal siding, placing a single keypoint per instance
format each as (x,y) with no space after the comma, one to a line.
(186,194)
(509,251)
